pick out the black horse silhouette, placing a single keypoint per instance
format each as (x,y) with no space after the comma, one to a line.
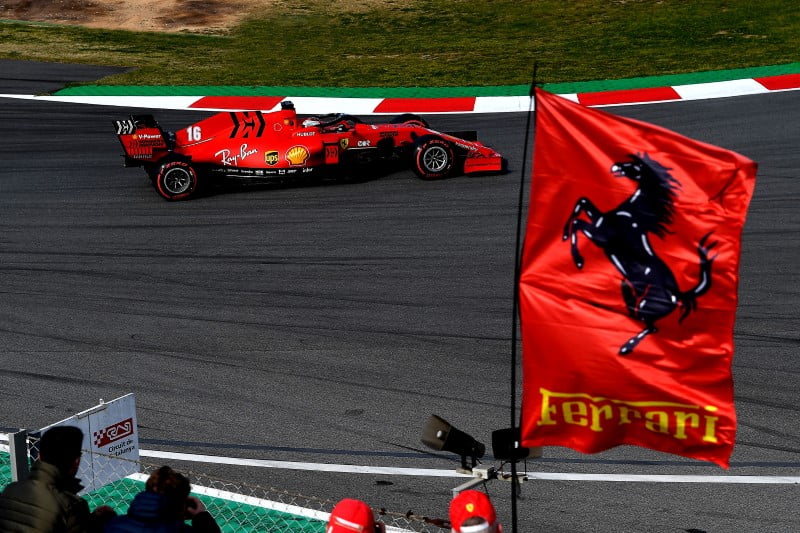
(648,285)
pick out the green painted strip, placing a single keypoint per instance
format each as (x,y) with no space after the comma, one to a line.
(5,470)
(430,92)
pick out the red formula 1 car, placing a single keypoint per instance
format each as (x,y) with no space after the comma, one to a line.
(253,145)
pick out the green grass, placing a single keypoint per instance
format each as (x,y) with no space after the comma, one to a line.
(437,43)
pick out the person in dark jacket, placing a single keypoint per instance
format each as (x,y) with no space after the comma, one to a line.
(47,502)
(163,507)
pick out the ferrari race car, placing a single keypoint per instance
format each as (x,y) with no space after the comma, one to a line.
(259,146)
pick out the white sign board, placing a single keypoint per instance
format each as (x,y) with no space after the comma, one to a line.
(110,442)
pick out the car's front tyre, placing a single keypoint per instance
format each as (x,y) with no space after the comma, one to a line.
(176,180)
(433,158)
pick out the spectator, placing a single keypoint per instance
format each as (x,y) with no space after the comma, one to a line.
(471,511)
(353,516)
(47,501)
(163,507)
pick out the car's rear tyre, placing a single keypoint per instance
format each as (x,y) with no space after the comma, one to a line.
(433,158)
(176,180)
(410,118)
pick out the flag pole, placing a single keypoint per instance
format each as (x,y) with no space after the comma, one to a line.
(517,269)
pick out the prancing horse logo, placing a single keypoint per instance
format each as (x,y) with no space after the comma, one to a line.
(649,288)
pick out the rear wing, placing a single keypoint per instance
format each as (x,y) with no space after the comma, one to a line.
(142,139)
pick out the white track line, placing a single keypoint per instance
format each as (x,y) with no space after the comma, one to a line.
(666,478)
(427,472)
(294,465)
(151,102)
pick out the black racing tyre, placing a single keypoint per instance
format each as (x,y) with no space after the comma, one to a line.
(410,118)
(176,180)
(433,158)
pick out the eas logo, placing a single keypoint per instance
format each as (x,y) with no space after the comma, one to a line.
(113,433)
(271,157)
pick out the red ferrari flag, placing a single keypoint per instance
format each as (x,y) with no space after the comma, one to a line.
(628,285)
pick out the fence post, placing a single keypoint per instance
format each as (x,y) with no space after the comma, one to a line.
(18,450)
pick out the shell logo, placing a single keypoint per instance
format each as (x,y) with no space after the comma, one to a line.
(297,155)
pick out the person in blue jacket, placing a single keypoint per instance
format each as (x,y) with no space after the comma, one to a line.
(164,507)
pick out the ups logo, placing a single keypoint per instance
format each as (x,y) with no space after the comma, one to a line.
(271,157)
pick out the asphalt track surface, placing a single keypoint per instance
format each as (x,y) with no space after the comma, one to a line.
(324,324)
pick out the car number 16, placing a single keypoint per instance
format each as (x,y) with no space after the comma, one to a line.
(194,133)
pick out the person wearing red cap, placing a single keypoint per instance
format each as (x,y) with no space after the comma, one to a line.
(353,516)
(471,511)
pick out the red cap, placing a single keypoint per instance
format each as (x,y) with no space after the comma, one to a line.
(470,503)
(349,516)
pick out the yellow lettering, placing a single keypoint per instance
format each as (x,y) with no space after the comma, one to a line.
(547,409)
(624,413)
(575,413)
(683,419)
(679,420)
(710,434)
(605,411)
(657,421)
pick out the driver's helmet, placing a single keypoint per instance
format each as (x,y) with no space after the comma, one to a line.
(311,122)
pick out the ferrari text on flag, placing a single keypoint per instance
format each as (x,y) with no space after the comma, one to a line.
(628,285)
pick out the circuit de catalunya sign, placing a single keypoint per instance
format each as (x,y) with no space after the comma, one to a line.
(110,441)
